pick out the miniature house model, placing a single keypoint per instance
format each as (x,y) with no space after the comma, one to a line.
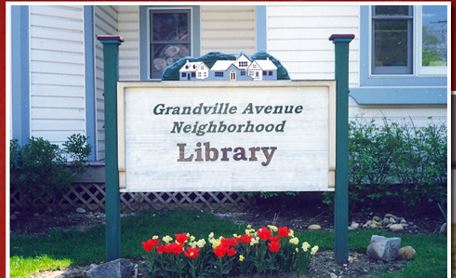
(241,69)
(193,71)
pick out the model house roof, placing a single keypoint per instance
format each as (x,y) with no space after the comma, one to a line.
(266,64)
(222,65)
(191,66)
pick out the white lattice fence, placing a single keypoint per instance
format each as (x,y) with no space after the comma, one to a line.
(91,196)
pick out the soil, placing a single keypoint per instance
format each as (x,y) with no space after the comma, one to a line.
(323,264)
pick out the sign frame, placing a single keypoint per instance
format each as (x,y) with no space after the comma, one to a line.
(122,88)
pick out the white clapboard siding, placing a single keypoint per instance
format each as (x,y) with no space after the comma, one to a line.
(420,115)
(57,72)
(105,21)
(128,28)
(298,35)
(229,29)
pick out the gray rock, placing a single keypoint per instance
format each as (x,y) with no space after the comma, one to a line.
(383,248)
(403,221)
(120,268)
(389,215)
(443,228)
(396,227)
(386,221)
(376,218)
(80,210)
(392,220)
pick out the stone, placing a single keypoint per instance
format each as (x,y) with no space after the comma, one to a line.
(383,248)
(443,228)
(392,220)
(119,268)
(376,218)
(80,210)
(406,253)
(389,215)
(403,221)
(386,221)
(314,227)
(353,226)
(396,227)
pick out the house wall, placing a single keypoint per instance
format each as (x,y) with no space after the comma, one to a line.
(228,29)
(298,35)
(105,21)
(57,72)
(128,28)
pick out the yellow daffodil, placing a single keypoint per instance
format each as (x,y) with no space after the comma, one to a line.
(192,238)
(314,250)
(305,246)
(250,232)
(273,228)
(235,235)
(249,226)
(296,250)
(201,243)
(241,258)
(211,235)
(215,242)
(192,244)
(254,241)
(294,241)
(291,233)
(167,239)
(155,237)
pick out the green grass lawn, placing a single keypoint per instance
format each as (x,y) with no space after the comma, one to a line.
(60,249)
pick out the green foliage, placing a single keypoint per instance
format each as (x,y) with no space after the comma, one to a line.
(78,150)
(398,164)
(40,166)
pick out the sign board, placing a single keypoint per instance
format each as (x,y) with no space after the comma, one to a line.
(226,136)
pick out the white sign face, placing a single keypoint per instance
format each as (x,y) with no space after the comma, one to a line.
(226,136)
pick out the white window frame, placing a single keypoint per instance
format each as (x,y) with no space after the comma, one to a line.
(148,31)
(419,68)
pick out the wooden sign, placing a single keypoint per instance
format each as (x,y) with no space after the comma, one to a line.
(226,136)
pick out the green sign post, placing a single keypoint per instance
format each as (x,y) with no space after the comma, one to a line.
(112,198)
(341,43)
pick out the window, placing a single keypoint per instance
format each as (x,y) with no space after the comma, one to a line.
(184,74)
(169,38)
(432,40)
(265,73)
(270,73)
(218,73)
(392,40)
(243,63)
(193,74)
(242,72)
(199,74)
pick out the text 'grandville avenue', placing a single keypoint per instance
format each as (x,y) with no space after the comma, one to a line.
(225,108)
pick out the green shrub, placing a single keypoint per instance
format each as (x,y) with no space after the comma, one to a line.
(396,165)
(40,166)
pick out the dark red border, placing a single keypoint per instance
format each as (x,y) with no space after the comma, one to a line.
(3,145)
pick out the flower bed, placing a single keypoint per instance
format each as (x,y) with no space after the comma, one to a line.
(268,250)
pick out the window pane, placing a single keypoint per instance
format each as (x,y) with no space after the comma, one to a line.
(165,54)
(434,36)
(391,42)
(170,26)
(391,10)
